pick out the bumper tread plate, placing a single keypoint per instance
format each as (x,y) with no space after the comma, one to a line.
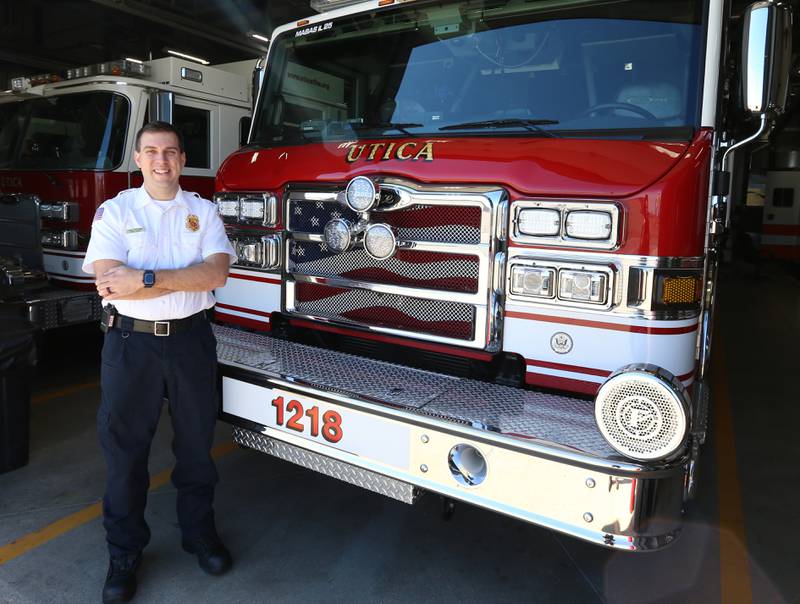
(372,481)
(560,420)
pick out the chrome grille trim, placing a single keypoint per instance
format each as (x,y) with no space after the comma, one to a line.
(479,240)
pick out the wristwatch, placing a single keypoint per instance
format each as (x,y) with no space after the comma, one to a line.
(149,278)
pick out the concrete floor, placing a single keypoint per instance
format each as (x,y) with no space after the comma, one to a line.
(300,537)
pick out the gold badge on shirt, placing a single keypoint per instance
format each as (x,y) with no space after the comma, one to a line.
(192,223)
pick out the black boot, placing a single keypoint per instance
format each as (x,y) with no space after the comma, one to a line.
(212,555)
(120,583)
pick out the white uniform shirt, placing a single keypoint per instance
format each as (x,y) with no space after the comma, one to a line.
(143,233)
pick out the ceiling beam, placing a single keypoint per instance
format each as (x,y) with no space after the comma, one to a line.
(37,62)
(171,20)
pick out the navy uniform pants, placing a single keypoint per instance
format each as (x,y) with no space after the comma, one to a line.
(138,371)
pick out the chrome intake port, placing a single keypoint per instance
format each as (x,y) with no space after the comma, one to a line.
(467,465)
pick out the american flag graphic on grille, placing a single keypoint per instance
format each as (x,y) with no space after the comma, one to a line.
(429,270)
(454,271)
(436,317)
(460,224)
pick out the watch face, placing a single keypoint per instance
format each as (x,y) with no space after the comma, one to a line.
(149,278)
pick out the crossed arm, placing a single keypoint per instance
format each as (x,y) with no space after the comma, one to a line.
(115,281)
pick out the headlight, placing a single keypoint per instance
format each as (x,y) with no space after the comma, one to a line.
(582,286)
(584,224)
(248,208)
(66,239)
(338,235)
(361,194)
(533,281)
(258,252)
(539,222)
(379,241)
(59,210)
(643,412)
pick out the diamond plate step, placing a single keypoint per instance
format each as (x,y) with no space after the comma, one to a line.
(396,489)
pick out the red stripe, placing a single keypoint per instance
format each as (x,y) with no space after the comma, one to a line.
(780,229)
(563,367)
(243,321)
(443,348)
(251,311)
(603,325)
(559,383)
(253,278)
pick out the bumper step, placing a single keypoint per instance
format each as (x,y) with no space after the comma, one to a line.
(557,420)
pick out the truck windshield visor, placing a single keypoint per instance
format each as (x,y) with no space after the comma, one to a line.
(82,131)
(487,68)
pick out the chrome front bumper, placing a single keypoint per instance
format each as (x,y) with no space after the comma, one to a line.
(547,462)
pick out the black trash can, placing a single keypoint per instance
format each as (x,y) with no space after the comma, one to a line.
(17,360)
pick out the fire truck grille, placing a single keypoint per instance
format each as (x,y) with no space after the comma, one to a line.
(435,286)
(428,270)
(365,307)
(420,222)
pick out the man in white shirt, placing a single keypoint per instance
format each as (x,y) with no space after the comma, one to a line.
(157,252)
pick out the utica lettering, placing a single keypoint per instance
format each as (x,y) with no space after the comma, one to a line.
(409,151)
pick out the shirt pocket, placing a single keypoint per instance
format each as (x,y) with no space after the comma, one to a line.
(190,248)
(140,247)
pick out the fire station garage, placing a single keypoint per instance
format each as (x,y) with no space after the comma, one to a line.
(512,311)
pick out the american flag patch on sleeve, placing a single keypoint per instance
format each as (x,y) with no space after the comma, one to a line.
(98,215)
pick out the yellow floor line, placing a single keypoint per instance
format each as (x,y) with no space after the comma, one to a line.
(33,540)
(63,392)
(735,585)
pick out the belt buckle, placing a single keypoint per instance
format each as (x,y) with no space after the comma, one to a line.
(161,328)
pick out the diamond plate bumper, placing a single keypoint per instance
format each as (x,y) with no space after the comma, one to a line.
(546,461)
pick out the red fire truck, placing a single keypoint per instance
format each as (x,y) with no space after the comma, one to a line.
(477,249)
(65,147)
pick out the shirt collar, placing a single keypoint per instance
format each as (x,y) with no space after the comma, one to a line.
(143,198)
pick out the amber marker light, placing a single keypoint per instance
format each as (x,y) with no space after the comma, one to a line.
(385,2)
(303,22)
(681,290)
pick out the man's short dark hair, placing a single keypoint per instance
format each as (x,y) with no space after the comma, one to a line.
(158,127)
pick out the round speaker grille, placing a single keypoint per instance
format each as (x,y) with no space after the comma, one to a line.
(643,413)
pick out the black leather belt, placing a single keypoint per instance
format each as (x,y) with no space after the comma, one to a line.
(111,319)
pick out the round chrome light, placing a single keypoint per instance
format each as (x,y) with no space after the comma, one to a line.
(643,412)
(379,241)
(338,235)
(467,465)
(361,194)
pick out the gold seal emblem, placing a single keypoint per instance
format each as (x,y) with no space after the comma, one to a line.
(192,223)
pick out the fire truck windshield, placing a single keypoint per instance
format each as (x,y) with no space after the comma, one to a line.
(574,68)
(81,131)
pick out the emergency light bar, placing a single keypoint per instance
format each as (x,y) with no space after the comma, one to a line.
(125,67)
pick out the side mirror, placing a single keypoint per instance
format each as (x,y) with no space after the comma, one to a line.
(766,56)
(160,106)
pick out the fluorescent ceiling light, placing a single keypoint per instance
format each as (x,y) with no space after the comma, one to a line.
(259,37)
(132,60)
(188,57)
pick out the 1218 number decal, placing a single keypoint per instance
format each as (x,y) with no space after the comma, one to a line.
(331,427)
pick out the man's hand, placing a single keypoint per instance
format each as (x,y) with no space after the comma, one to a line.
(119,282)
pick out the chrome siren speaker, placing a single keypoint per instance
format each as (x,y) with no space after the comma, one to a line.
(643,412)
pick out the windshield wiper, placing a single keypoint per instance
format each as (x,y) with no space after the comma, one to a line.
(531,125)
(402,127)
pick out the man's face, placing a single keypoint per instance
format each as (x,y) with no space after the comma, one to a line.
(161,161)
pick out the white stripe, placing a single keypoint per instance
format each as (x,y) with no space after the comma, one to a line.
(257,295)
(246,315)
(570,375)
(60,252)
(72,279)
(602,349)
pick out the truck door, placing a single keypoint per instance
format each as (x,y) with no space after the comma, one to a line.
(198,121)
